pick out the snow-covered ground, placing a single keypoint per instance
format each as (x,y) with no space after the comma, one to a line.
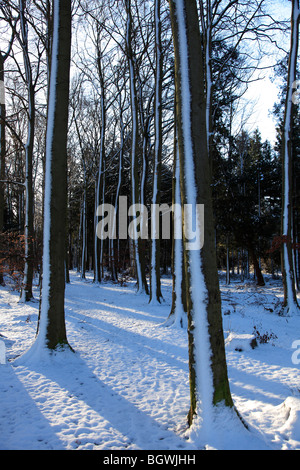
(126,387)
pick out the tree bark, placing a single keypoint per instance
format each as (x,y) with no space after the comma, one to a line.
(259,277)
(98,245)
(290,303)
(155,287)
(51,332)
(137,244)
(178,314)
(114,265)
(209,386)
(26,292)
(2,149)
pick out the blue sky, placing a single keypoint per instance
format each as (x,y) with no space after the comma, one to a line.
(264,93)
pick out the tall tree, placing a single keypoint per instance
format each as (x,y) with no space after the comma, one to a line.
(137,243)
(178,314)
(51,332)
(209,386)
(155,288)
(9,9)
(3,58)
(98,253)
(26,293)
(290,303)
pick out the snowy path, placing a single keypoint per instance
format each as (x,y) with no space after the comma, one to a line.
(127,385)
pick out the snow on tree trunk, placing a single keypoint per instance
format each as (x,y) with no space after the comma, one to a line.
(26,291)
(290,304)
(51,332)
(97,270)
(83,215)
(2,147)
(84,230)
(137,243)
(121,151)
(209,388)
(155,288)
(100,177)
(178,315)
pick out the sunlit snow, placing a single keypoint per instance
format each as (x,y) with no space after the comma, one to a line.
(126,387)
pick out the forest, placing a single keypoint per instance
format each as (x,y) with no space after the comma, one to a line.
(119,120)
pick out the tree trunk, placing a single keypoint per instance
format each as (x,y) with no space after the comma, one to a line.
(207,25)
(121,151)
(51,332)
(3,57)
(227,261)
(98,245)
(155,287)
(84,230)
(209,386)
(26,292)
(139,255)
(178,314)
(290,303)
(258,274)
(2,149)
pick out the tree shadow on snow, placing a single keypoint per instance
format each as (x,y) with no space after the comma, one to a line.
(22,424)
(114,419)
